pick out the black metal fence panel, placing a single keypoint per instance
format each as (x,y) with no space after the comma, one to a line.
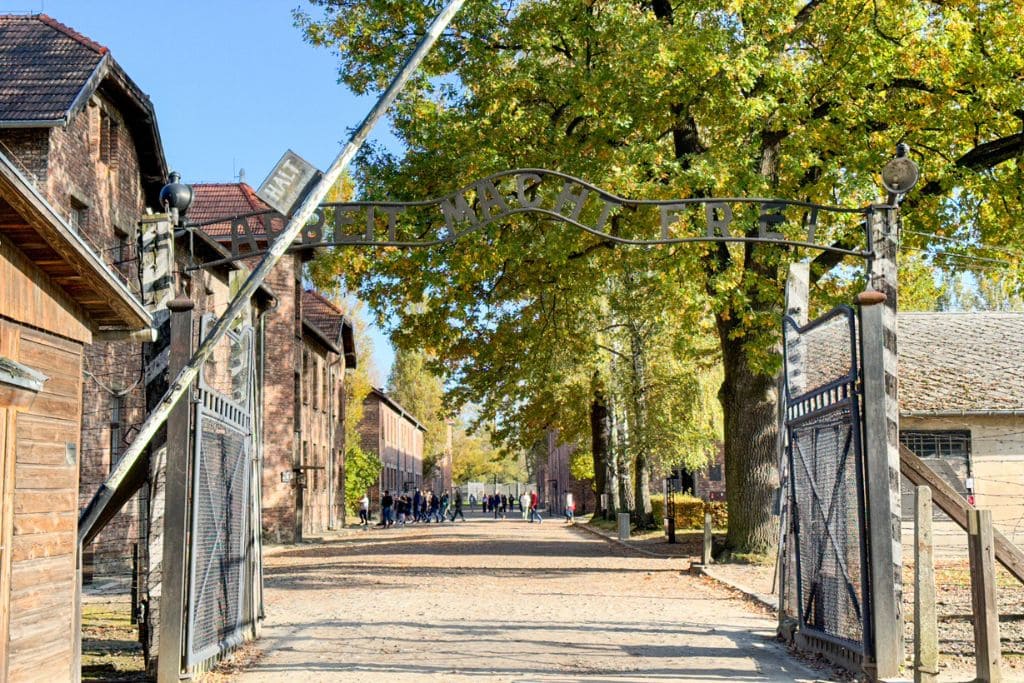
(826,480)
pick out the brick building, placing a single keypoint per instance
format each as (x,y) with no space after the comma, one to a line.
(86,136)
(396,437)
(328,350)
(554,480)
(309,344)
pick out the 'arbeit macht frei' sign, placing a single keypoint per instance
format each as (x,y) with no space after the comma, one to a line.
(559,197)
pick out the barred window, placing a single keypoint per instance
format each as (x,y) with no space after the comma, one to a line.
(947,452)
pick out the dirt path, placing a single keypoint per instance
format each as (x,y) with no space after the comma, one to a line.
(505,601)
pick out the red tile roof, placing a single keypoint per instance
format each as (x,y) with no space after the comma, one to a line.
(44,66)
(328,320)
(322,314)
(213,201)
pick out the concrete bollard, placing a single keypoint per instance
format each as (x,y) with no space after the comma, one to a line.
(706,554)
(623,526)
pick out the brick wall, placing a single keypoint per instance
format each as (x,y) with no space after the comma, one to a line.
(369,435)
(709,483)
(283,356)
(27,148)
(322,422)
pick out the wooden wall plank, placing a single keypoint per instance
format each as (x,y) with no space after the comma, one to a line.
(38,428)
(6,521)
(47,571)
(31,298)
(44,523)
(42,452)
(45,501)
(36,546)
(31,336)
(45,477)
(50,361)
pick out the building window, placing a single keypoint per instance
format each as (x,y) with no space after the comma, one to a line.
(305,377)
(948,444)
(79,215)
(947,452)
(116,429)
(123,252)
(108,139)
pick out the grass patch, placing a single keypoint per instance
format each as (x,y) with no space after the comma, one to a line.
(110,647)
(751,558)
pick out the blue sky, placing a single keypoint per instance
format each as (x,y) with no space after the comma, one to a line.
(233,85)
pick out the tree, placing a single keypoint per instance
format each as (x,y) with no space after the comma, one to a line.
(669,100)
(421,392)
(475,458)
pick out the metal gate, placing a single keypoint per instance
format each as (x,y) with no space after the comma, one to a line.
(220,512)
(826,485)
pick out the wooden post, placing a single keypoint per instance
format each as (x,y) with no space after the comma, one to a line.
(926,635)
(881,443)
(983,596)
(883,503)
(797,305)
(179,447)
(706,554)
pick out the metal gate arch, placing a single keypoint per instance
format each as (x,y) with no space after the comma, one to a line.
(823,420)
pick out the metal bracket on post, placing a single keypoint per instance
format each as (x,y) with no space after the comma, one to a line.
(881,446)
(173,564)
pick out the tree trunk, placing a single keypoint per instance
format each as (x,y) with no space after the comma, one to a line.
(625,466)
(643,516)
(612,478)
(643,513)
(599,444)
(748,401)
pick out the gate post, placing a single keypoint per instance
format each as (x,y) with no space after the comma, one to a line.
(796,307)
(881,445)
(172,566)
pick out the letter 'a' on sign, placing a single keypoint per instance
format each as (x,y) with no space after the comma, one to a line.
(288,184)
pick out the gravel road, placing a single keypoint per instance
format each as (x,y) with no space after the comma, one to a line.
(502,601)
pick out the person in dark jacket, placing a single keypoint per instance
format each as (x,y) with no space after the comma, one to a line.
(387,509)
(417,499)
(457,509)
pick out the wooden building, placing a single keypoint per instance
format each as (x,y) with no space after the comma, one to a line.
(962,411)
(58,294)
(76,126)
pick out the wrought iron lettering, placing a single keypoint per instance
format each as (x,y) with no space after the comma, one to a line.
(569,200)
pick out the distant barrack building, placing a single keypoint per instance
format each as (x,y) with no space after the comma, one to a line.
(395,436)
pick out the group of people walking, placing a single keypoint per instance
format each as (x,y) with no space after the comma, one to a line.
(426,507)
(419,507)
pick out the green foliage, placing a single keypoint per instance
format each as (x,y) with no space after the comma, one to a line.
(668,100)
(581,465)
(420,392)
(475,458)
(362,470)
(690,511)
